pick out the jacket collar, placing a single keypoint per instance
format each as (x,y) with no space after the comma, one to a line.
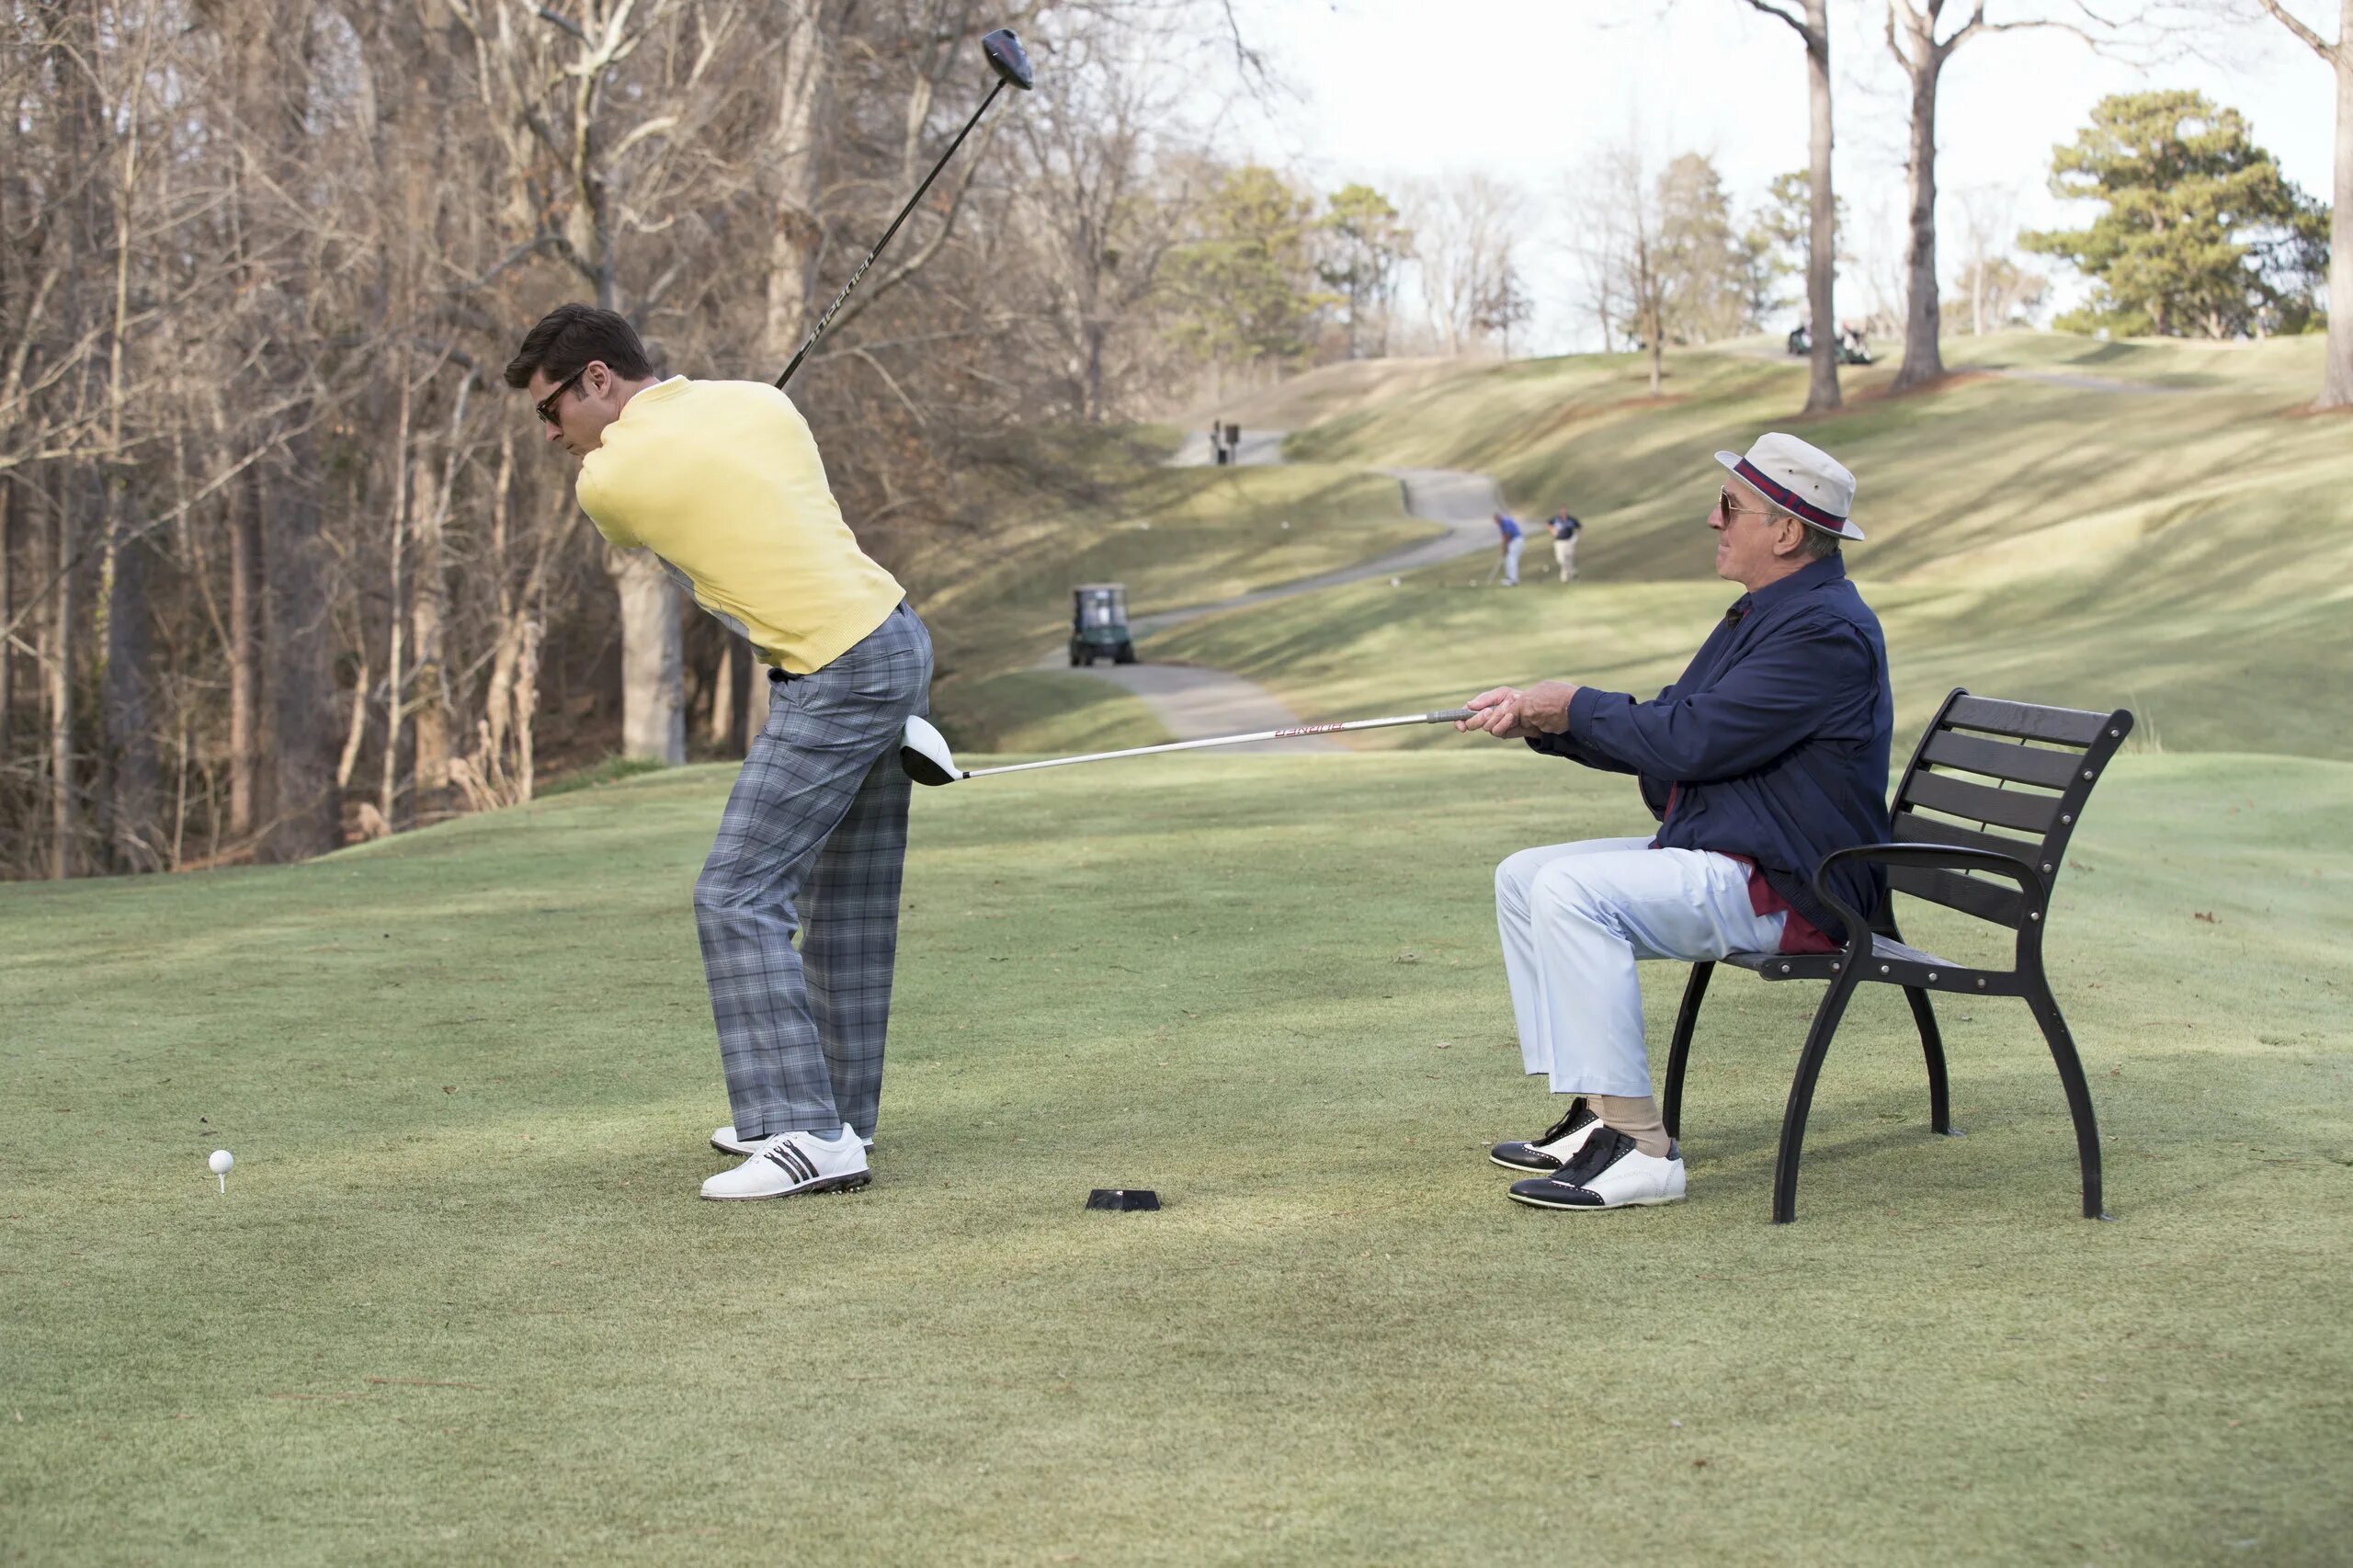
(1804,580)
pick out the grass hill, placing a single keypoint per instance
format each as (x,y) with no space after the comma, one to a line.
(2184,547)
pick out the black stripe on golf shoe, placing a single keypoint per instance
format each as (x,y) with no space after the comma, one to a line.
(796,1164)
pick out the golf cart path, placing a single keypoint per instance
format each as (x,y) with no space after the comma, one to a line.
(1192,701)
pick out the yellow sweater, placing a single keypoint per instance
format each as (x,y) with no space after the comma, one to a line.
(722,480)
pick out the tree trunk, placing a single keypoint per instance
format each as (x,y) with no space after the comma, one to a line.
(388,792)
(527,707)
(790,182)
(653,720)
(7,617)
(1097,331)
(741,680)
(309,816)
(428,611)
(2336,382)
(64,817)
(720,719)
(1822,243)
(759,690)
(245,661)
(1922,358)
(134,802)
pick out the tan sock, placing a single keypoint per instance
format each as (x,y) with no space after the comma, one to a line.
(1637,1117)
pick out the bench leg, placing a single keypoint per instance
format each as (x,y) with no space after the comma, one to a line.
(1932,1042)
(1817,1046)
(1932,1046)
(1680,1051)
(2079,1094)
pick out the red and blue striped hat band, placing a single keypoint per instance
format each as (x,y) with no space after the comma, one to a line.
(1778,465)
(1784,497)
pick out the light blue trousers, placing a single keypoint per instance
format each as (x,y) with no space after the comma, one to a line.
(1576,917)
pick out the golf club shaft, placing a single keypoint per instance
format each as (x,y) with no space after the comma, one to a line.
(1446,718)
(827,320)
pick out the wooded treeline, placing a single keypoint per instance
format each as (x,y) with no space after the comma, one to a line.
(283,562)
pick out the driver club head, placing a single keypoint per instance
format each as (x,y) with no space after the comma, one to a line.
(1007,58)
(923,752)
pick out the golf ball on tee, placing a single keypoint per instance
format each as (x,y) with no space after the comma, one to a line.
(220,1161)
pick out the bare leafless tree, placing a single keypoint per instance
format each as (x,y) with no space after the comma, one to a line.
(1467,235)
(2336,379)
(1812,24)
(1914,39)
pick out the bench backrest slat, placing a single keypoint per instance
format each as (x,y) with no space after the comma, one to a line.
(1997,901)
(1913,828)
(2029,810)
(2077,748)
(2072,726)
(2001,759)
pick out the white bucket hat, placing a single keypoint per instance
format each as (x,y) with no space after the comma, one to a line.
(1803,480)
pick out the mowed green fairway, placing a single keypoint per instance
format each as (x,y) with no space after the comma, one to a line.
(461,1302)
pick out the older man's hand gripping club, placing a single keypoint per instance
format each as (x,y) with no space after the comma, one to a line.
(1510,714)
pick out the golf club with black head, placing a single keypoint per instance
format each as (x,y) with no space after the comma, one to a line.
(1011,63)
(923,750)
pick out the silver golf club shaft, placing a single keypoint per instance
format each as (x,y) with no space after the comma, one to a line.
(1446,718)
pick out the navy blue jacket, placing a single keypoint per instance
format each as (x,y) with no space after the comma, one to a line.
(1773,743)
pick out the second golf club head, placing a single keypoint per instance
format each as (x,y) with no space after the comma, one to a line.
(1007,57)
(923,752)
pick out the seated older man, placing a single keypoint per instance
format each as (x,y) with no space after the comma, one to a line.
(1767,753)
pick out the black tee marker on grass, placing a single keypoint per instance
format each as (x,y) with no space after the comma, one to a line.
(1125,1200)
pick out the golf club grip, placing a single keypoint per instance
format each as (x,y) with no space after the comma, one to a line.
(1293,732)
(827,320)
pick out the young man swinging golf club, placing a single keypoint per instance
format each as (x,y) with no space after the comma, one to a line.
(1769,752)
(721,481)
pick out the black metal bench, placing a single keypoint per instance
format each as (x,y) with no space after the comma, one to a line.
(2042,762)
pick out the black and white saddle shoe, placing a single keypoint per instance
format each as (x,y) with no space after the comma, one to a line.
(726,1142)
(1608,1173)
(1554,1147)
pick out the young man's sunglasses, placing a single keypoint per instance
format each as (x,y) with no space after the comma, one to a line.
(546,405)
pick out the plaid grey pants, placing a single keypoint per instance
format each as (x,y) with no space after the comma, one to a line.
(819,814)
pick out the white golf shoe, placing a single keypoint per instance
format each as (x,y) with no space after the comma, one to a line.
(795,1162)
(1608,1173)
(726,1142)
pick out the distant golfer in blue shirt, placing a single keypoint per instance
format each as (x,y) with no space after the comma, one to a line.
(1513,542)
(1766,754)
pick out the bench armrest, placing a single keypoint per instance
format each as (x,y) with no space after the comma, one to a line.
(1929,856)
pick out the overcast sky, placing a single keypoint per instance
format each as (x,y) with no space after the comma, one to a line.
(1530,89)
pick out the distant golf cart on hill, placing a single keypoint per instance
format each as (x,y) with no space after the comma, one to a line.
(1851,350)
(1098,624)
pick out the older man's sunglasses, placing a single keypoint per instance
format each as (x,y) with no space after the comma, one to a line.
(546,405)
(1724,505)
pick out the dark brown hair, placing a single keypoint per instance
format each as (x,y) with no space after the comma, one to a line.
(570,337)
